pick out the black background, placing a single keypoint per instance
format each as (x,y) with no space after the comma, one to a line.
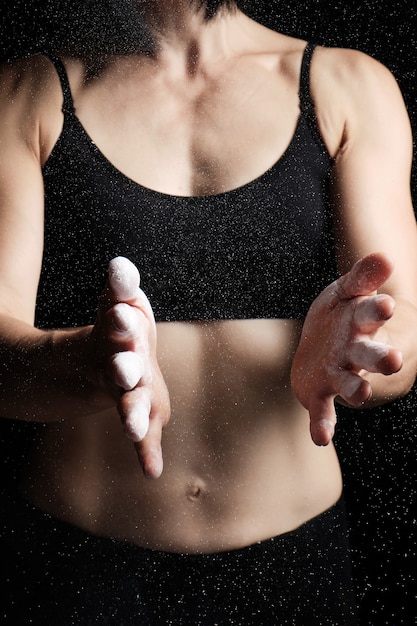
(377,448)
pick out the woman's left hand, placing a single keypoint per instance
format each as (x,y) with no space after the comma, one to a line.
(342,340)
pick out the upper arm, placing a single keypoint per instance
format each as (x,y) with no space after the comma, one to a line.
(21,195)
(372,171)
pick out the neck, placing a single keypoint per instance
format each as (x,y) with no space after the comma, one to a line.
(167,16)
(180,27)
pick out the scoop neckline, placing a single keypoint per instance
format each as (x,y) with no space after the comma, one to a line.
(160,194)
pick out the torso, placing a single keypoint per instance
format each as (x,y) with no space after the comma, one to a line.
(240,465)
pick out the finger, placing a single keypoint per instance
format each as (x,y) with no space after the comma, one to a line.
(123,284)
(149,449)
(322,420)
(127,327)
(134,408)
(125,315)
(144,426)
(375,357)
(372,312)
(124,319)
(366,276)
(124,279)
(127,369)
(354,389)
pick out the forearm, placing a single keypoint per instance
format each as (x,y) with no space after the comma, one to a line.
(45,375)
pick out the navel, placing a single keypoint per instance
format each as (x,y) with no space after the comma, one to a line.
(195,490)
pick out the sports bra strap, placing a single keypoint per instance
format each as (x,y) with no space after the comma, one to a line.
(306,103)
(68,104)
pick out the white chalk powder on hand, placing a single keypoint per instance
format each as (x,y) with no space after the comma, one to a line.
(124,278)
(124,318)
(128,369)
(137,423)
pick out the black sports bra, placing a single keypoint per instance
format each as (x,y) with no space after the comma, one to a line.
(263,250)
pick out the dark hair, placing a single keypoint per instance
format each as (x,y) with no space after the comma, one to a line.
(101,26)
(212,7)
(115,26)
(85,28)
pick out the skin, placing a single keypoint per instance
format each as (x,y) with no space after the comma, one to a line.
(239,464)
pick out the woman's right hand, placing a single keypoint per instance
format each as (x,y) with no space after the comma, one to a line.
(124,354)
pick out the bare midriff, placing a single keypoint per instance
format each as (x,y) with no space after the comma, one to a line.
(239,463)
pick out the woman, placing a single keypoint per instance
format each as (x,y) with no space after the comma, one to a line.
(241,171)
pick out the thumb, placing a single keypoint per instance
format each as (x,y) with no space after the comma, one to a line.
(366,276)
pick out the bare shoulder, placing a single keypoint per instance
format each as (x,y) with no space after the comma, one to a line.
(355,81)
(25,86)
(30,102)
(25,78)
(351,75)
(355,96)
